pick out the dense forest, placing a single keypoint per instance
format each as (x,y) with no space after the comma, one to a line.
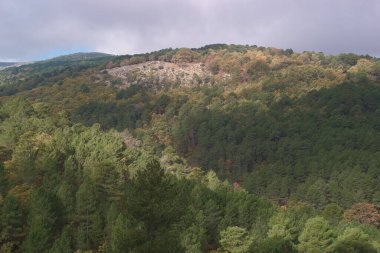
(247,149)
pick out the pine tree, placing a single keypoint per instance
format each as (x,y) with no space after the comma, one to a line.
(3,180)
(154,201)
(86,210)
(194,238)
(63,244)
(317,236)
(12,221)
(235,240)
(119,235)
(42,221)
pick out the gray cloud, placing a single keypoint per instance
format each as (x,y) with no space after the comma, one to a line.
(34,29)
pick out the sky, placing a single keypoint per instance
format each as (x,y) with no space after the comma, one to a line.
(39,29)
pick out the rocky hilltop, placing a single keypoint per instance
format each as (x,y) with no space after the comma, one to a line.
(160,74)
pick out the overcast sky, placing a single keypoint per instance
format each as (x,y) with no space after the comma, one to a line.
(39,29)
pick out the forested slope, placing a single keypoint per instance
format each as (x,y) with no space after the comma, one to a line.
(250,149)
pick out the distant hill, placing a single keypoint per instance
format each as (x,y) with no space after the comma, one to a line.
(7,64)
(4,65)
(20,77)
(80,56)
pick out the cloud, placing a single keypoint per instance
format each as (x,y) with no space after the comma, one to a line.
(31,29)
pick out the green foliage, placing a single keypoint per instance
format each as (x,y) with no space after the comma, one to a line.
(84,88)
(3,180)
(276,245)
(63,244)
(353,240)
(119,235)
(332,213)
(289,225)
(235,240)
(43,221)
(194,239)
(90,226)
(317,236)
(349,59)
(154,201)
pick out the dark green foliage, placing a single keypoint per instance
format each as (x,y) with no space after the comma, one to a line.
(119,116)
(64,244)
(153,201)
(12,222)
(119,237)
(129,91)
(276,245)
(90,220)
(43,221)
(84,88)
(3,180)
(354,247)
(349,59)
(327,134)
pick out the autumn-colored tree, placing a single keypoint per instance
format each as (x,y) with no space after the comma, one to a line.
(364,213)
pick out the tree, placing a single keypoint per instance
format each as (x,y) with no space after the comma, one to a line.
(194,239)
(276,245)
(127,238)
(364,213)
(23,159)
(185,55)
(12,222)
(42,221)
(332,213)
(317,236)
(65,194)
(3,180)
(353,240)
(64,244)
(155,202)
(289,225)
(87,213)
(257,68)
(349,59)
(235,240)
(316,194)
(119,235)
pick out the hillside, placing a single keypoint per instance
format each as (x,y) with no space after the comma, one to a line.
(224,148)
